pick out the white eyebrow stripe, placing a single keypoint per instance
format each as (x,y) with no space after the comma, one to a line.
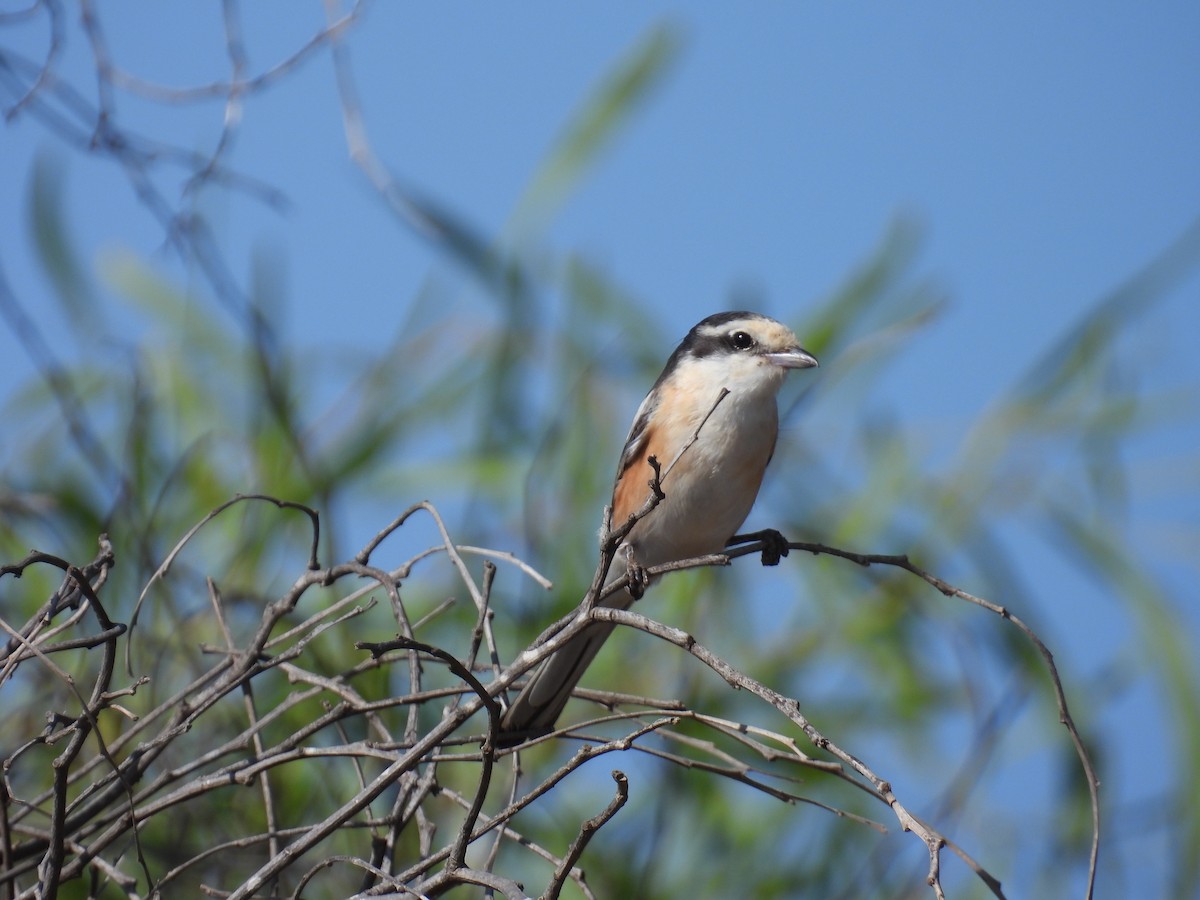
(727,328)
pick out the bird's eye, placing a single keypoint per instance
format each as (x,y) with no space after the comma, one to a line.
(740,340)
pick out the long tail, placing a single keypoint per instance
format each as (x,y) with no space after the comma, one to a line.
(537,707)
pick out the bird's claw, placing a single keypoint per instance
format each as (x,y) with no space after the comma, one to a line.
(775,545)
(638,579)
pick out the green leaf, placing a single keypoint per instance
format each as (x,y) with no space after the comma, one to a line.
(598,122)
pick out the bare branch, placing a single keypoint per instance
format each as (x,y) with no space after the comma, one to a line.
(791,709)
(586,832)
(92,804)
(903,562)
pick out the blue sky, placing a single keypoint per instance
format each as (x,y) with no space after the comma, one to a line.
(1046,151)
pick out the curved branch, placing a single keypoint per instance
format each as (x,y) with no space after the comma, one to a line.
(586,831)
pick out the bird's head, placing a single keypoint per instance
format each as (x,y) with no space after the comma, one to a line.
(742,351)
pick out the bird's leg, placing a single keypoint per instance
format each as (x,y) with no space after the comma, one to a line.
(638,579)
(775,545)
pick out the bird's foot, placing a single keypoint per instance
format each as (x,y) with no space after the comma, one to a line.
(775,545)
(638,579)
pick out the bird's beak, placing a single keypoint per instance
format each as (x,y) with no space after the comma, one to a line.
(795,358)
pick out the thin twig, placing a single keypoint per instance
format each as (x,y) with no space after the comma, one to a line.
(791,709)
(903,562)
(586,831)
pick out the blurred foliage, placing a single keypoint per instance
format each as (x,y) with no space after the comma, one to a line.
(510,420)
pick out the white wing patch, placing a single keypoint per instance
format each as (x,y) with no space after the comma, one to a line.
(636,441)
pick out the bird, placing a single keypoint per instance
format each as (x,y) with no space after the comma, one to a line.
(716,401)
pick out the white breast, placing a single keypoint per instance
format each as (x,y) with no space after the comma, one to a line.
(713,486)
